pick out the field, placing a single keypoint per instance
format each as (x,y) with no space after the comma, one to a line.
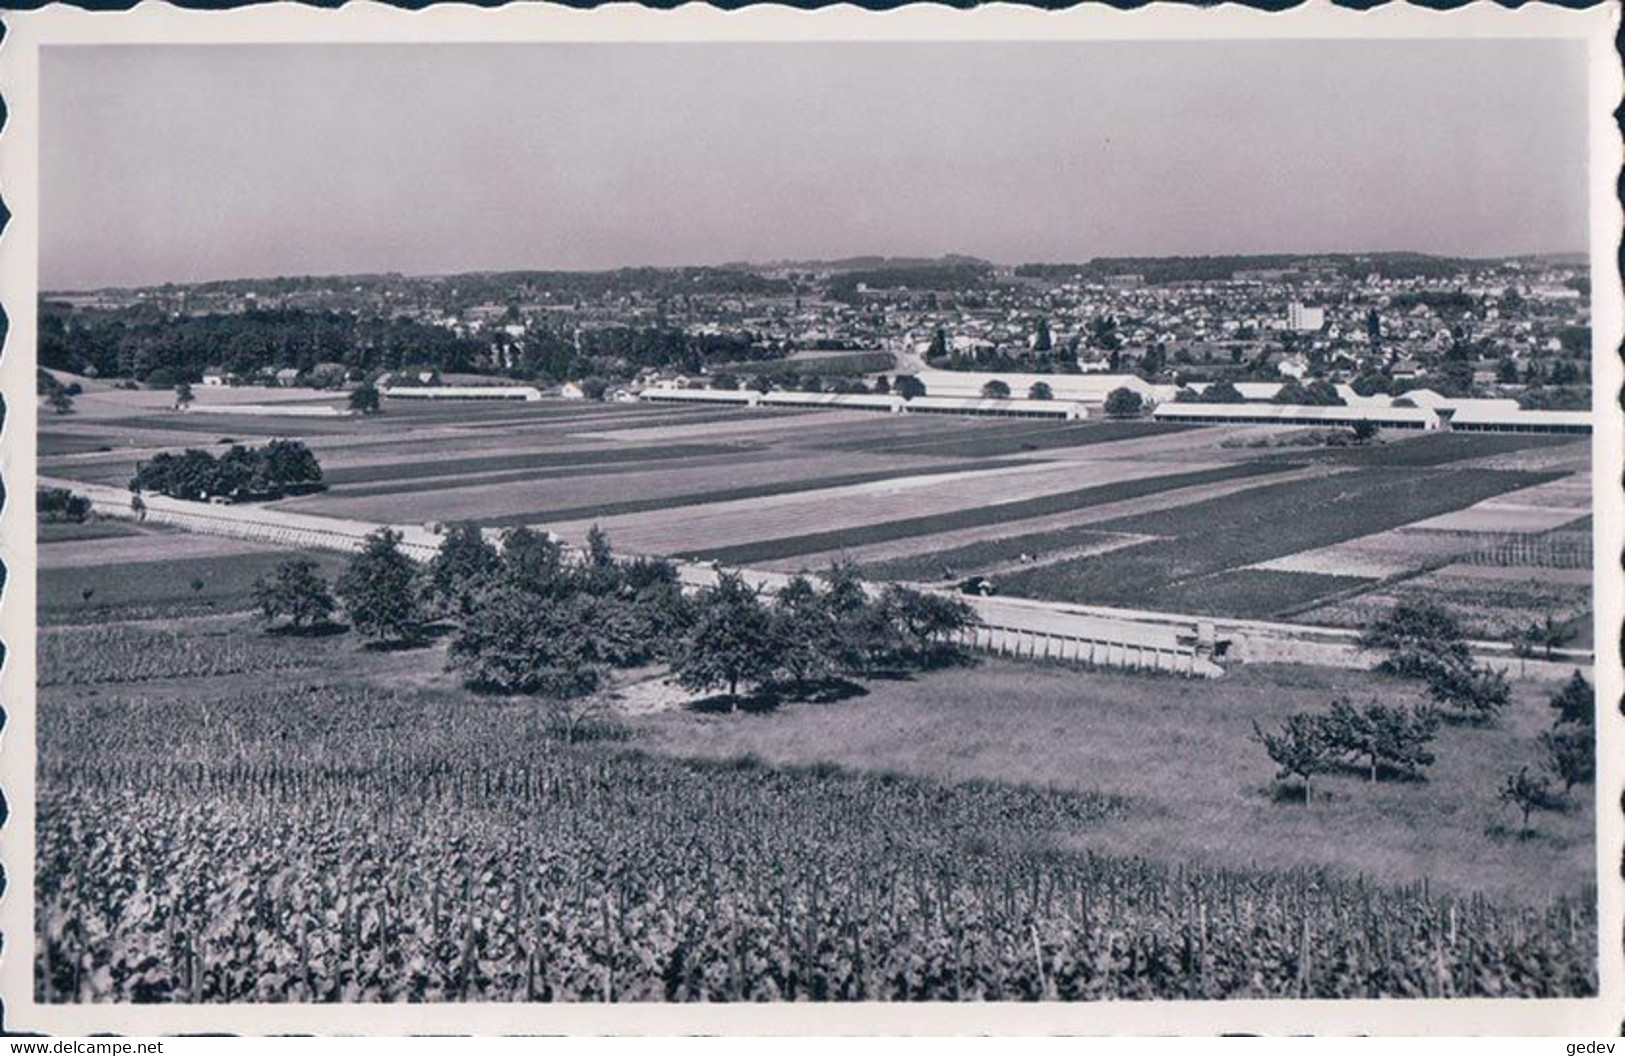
(365,830)
(1197,520)
(281,819)
(1136,514)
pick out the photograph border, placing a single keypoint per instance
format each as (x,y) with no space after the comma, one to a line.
(28,32)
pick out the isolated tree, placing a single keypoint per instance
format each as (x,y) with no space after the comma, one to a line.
(1380,734)
(514,643)
(1040,390)
(1571,754)
(184,396)
(1420,637)
(1124,403)
(908,386)
(882,386)
(1477,693)
(1576,702)
(295,591)
(939,345)
(1527,793)
(459,571)
(1300,748)
(379,590)
(1365,431)
(996,390)
(365,400)
(731,641)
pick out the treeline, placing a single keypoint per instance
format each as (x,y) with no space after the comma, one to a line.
(941,277)
(281,467)
(145,343)
(529,620)
(1157,270)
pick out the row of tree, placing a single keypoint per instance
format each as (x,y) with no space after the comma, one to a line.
(281,467)
(530,620)
(1377,737)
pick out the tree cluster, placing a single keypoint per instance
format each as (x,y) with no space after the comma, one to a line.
(1568,754)
(1375,738)
(531,619)
(281,467)
(60,506)
(807,633)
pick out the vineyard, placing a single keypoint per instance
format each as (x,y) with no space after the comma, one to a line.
(341,844)
(125,653)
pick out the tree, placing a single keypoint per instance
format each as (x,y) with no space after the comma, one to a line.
(534,561)
(725,382)
(1420,637)
(1300,748)
(1528,793)
(593,388)
(61,506)
(803,633)
(1365,431)
(731,641)
(1576,702)
(1380,734)
(184,395)
(459,571)
(295,592)
(511,643)
(1042,341)
(1123,403)
(1549,635)
(1478,693)
(1222,392)
(1040,391)
(996,390)
(939,345)
(365,400)
(908,386)
(379,590)
(882,386)
(927,626)
(1571,754)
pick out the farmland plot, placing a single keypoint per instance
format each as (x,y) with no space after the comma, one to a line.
(1252,527)
(758,529)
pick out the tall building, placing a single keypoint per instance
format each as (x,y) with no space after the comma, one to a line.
(1299,317)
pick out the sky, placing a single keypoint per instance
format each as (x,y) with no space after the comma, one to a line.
(186,163)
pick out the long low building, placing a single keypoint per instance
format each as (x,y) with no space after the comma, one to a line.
(978,406)
(1292,414)
(1464,417)
(526,393)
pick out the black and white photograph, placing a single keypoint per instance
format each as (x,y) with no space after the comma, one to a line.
(653,511)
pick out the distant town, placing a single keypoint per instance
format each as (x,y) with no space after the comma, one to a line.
(1385,323)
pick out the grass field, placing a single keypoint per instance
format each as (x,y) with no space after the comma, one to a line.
(1197,789)
(152,589)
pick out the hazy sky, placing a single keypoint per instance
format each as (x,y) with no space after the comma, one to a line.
(184,163)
